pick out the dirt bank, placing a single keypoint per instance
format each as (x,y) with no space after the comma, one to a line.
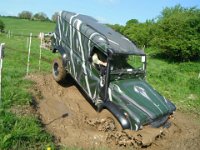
(66,114)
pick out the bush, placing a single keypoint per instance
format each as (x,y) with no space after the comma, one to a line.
(178,33)
(25,15)
(41,16)
(138,32)
(2,26)
(54,16)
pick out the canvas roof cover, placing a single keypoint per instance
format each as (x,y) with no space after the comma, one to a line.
(117,42)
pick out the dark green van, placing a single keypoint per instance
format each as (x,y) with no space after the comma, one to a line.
(116,86)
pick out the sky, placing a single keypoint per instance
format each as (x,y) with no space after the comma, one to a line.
(106,11)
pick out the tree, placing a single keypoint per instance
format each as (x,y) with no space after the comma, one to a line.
(40,16)
(2,26)
(132,22)
(178,33)
(54,16)
(25,15)
(140,33)
(117,27)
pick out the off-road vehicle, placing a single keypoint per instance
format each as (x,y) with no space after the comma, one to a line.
(118,86)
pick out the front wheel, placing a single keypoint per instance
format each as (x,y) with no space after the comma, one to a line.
(112,119)
(58,71)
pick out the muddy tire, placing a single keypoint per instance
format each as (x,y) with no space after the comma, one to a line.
(109,116)
(58,71)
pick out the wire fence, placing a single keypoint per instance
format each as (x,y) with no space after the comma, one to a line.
(10,33)
(20,33)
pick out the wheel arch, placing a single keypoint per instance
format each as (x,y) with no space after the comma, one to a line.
(117,113)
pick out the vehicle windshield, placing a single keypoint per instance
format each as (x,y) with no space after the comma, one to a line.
(128,64)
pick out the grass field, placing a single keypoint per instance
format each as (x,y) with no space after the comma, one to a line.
(25,27)
(19,131)
(178,82)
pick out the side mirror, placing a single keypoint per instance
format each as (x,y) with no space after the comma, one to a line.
(143,59)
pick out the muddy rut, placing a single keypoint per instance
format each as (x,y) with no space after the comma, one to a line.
(74,122)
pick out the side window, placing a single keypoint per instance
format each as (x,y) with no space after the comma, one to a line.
(66,33)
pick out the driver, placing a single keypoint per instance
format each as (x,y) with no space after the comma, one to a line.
(102,67)
(96,60)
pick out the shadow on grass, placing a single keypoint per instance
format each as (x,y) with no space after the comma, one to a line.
(170,59)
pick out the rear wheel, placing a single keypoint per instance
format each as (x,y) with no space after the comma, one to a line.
(58,70)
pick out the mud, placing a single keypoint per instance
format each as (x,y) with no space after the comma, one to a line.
(67,114)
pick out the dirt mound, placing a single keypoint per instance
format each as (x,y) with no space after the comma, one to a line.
(74,122)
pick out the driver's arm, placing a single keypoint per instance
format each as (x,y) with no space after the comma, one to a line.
(96,60)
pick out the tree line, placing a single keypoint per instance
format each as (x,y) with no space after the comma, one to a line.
(38,16)
(174,34)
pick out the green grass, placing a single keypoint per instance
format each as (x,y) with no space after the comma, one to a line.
(178,82)
(25,27)
(22,131)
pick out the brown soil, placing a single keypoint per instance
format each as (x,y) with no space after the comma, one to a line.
(74,122)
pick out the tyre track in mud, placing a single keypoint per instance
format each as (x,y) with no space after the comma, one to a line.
(74,122)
